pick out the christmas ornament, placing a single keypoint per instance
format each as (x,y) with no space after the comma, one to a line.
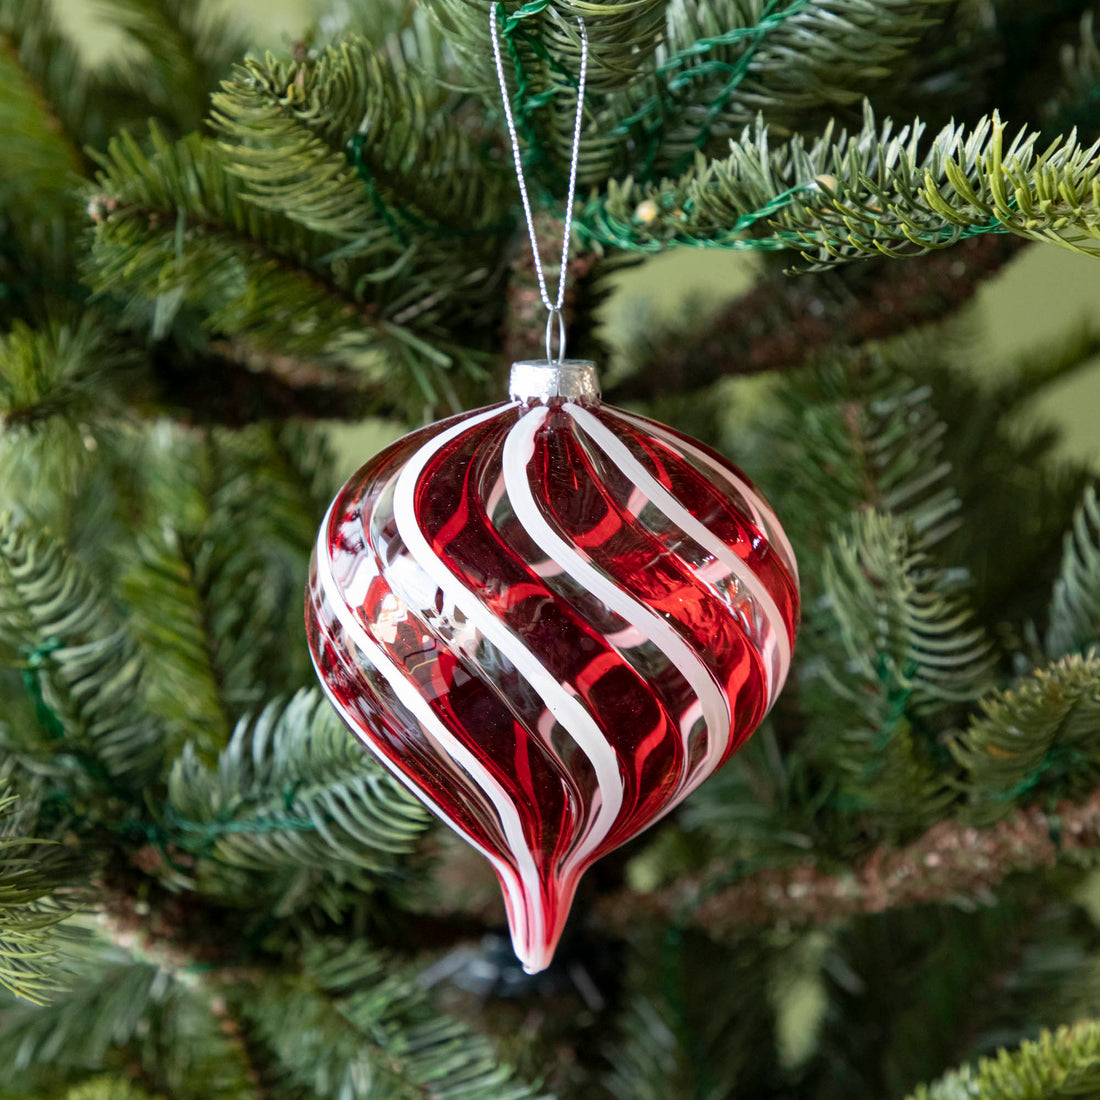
(551,619)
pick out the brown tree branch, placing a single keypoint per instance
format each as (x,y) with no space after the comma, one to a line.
(776,326)
(227,384)
(951,860)
(784,320)
(524,323)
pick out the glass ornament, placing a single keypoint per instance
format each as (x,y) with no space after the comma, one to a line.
(551,619)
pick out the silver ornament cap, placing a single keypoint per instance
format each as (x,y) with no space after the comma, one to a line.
(545,379)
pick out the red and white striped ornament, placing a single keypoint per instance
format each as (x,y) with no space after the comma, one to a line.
(551,619)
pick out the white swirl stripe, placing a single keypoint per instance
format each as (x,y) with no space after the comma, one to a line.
(776,642)
(519,449)
(567,709)
(524,899)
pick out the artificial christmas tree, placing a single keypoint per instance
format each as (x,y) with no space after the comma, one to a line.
(207,887)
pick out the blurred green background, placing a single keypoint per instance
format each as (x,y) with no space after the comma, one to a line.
(1044,293)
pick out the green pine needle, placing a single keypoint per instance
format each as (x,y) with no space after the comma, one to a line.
(293,126)
(897,647)
(872,192)
(1038,737)
(293,792)
(178,51)
(166,1021)
(104,1005)
(870,422)
(354,1024)
(176,227)
(699,1022)
(169,594)
(32,945)
(213,579)
(1075,101)
(41,156)
(172,225)
(1075,606)
(80,665)
(724,62)
(897,616)
(61,371)
(1060,1065)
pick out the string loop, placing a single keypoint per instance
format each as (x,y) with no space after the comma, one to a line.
(555,314)
(554,307)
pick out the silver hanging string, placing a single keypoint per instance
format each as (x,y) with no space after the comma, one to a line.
(555,315)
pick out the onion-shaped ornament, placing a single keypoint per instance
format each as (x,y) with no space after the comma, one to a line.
(551,619)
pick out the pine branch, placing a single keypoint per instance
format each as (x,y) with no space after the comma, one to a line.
(698,1022)
(144,1003)
(62,375)
(748,812)
(542,46)
(887,649)
(860,431)
(168,593)
(41,102)
(41,86)
(895,645)
(1035,738)
(867,193)
(782,323)
(354,1024)
(666,80)
(966,183)
(294,794)
(726,61)
(37,159)
(229,522)
(85,104)
(384,161)
(194,1049)
(926,971)
(80,664)
(888,599)
(952,860)
(31,873)
(1060,1065)
(1014,488)
(105,1005)
(175,227)
(1075,606)
(186,47)
(622,38)
(965,453)
(279,481)
(297,130)
(822,52)
(65,431)
(271,486)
